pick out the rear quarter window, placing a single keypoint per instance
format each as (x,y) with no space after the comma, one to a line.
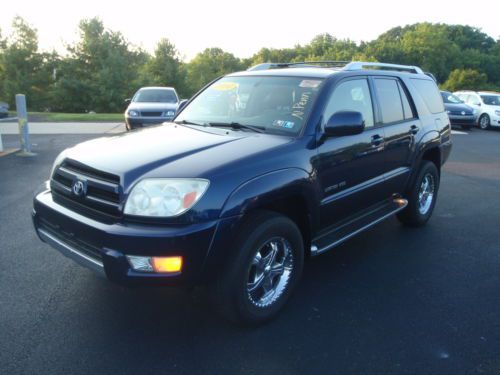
(430,94)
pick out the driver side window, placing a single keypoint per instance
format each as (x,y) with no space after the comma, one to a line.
(352,95)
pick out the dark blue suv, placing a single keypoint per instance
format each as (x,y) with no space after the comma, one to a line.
(260,170)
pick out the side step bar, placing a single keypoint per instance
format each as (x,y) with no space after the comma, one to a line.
(350,229)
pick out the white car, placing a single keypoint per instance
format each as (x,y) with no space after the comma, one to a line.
(487,103)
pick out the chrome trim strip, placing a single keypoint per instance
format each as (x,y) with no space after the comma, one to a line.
(364,185)
(71,174)
(316,251)
(71,252)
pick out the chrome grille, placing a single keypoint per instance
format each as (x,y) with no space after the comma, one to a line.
(103,188)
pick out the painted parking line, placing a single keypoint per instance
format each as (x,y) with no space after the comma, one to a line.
(458,132)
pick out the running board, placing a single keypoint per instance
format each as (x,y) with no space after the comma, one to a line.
(350,229)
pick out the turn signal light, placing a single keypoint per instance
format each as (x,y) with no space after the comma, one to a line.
(167,264)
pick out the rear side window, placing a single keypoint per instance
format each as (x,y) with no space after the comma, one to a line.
(409,114)
(390,100)
(430,94)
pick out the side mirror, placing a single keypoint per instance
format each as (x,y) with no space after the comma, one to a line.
(127,101)
(345,123)
(181,105)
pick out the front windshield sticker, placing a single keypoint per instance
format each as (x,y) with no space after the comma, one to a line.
(284,124)
(225,86)
(298,108)
(310,83)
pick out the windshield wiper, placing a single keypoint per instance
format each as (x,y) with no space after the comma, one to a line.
(237,125)
(187,122)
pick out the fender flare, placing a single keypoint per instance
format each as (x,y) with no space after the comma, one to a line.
(428,141)
(267,188)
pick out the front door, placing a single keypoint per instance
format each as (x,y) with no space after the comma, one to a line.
(350,169)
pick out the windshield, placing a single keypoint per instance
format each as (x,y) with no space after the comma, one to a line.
(450,98)
(277,105)
(155,96)
(491,99)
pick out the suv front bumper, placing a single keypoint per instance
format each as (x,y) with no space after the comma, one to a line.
(103,247)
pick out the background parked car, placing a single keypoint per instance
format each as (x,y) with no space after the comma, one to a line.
(460,114)
(487,104)
(151,105)
(4,110)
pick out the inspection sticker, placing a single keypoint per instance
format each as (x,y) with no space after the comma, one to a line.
(225,86)
(310,83)
(284,124)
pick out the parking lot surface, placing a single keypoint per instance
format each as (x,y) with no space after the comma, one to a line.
(391,300)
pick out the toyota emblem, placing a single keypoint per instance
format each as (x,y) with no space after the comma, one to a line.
(79,188)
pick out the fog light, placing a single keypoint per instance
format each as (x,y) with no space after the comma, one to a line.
(155,264)
(140,263)
(167,264)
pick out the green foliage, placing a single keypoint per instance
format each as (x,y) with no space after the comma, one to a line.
(22,67)
(99,73)
(469,79)
(103,68)
(208,65)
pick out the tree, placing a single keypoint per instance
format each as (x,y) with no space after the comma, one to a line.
(22,66)
(467,79)
(100,72)
(165,67)
(210,64)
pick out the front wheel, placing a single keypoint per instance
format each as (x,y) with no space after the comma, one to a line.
(265,269)
(421,196)
(484,121)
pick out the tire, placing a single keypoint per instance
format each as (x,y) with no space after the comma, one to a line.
(238,294)
(420,207)
(484,121)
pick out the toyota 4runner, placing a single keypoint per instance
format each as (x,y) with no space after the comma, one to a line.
(260,170)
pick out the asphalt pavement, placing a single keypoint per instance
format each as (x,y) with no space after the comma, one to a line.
(391,300)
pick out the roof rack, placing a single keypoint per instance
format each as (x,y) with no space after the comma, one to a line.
(359,65)
(308,64)
(345,65)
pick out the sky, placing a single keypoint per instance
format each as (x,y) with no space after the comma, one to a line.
(239,27)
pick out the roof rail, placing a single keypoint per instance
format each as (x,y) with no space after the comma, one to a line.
(265,66)
(359,65)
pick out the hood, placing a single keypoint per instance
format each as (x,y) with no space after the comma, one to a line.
(458,108)
(152,106)
(170,150)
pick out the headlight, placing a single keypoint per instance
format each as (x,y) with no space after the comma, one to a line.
(164,197)
(133,113)
(497,113)
(168,113)
(475,112)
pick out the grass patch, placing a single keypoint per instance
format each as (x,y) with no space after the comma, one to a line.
(74,117)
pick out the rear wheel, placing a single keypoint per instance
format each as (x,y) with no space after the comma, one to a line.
(421,196)
(267,265)
(484,121)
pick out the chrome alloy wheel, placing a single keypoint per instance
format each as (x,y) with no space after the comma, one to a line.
(270,272)
(426,194)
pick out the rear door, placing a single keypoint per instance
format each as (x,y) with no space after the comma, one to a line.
(350,168)
(401,126)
